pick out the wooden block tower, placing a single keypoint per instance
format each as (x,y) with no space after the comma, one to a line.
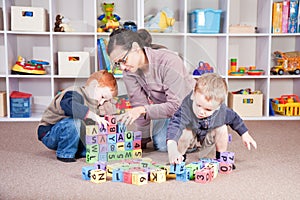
(113,143)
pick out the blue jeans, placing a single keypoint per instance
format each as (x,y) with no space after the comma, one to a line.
(64,137)
(159,134)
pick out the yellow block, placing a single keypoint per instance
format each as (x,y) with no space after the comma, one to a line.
(98,176)
(92,130)
(139,178)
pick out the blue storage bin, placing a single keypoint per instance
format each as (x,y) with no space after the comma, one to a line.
(205,21)
(20,104)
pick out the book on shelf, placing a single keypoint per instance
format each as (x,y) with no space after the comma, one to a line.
(103,59)
(285,15)
(293,19)
(277,17)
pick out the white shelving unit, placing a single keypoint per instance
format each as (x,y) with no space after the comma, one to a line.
(217,49)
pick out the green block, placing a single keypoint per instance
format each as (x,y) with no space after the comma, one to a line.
(91,158)
(111,156)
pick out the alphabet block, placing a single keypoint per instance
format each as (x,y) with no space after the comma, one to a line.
(137,135)
(202,176)
(183,176)
(112,129)
(139,178)
(102,139)
(100,165)
(227,157)
(137,153)
(98,176)
(102,130)
(103,148)
(127,177)
(112,138)
(92,130)
(91,139)
(111,156)
(225,168)
(111,119)
(128,146)
(128,136)
(120,146)
(137,144)
(158,176)
(120,137)
(117,175)
(102,157)
(121,128)
(177,168)
(86,172)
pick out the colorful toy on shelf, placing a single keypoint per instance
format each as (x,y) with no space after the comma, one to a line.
(62,24)
(288,105)
(130,26)
(163,21)
(108,20)
(122,104)
(203,68)
(35,67)
(286,62)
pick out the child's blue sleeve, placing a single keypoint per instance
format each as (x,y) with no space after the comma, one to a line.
(235,122)
(72,104)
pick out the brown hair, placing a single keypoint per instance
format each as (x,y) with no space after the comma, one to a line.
(104,79)
(212,86)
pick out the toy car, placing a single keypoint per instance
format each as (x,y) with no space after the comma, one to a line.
(33,67)
(286,62)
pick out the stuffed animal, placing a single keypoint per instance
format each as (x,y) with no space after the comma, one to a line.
(108,20)
(62,24)
(163,21)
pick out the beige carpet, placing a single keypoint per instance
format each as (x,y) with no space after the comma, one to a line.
(28,170)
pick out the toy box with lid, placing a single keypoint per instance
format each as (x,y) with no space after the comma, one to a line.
(20,104)
(205,20)
(246,105)
(74,63)
(28,19)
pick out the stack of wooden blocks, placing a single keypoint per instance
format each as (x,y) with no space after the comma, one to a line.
(112,143)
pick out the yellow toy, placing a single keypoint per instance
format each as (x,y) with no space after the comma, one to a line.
(163,21)
(108,20)
(34,67)
(288,105)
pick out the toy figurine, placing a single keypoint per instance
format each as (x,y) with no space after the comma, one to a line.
(163,21)
(34,67)
(203,68)
(62,24)
(108,20)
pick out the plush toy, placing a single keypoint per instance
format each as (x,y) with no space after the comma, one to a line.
(108,20)
(163,21)
(62,24)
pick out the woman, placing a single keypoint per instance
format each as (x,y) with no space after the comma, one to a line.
(156,81)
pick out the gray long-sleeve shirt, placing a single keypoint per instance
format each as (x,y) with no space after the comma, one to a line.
(185,118)
(161,90)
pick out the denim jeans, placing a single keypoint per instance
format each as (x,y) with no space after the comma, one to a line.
(64,137)
(159,134)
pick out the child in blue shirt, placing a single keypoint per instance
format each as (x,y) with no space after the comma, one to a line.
(203,117)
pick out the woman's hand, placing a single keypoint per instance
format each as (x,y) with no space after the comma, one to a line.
(131,115)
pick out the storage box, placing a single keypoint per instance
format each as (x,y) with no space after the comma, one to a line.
(246,105)
(74,63)
(20,104)
(205,21)
(3,108)
(28,19)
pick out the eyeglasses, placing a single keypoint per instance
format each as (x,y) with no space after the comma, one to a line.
(122,60)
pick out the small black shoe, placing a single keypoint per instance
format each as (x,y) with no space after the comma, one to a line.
(184,157)
(66,159)
(77,156)
(144,142)
(233,166)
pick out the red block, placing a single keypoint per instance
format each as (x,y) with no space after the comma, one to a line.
(202,176)
(225,168)
(127,177)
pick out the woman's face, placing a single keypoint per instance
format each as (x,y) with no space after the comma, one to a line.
(126,60)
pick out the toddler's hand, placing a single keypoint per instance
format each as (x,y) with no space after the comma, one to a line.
(174,156)
(98,119)
(248,141)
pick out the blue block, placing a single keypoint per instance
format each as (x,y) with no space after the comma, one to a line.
(86,172)
(177,168)
(184,176)
(117,175)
